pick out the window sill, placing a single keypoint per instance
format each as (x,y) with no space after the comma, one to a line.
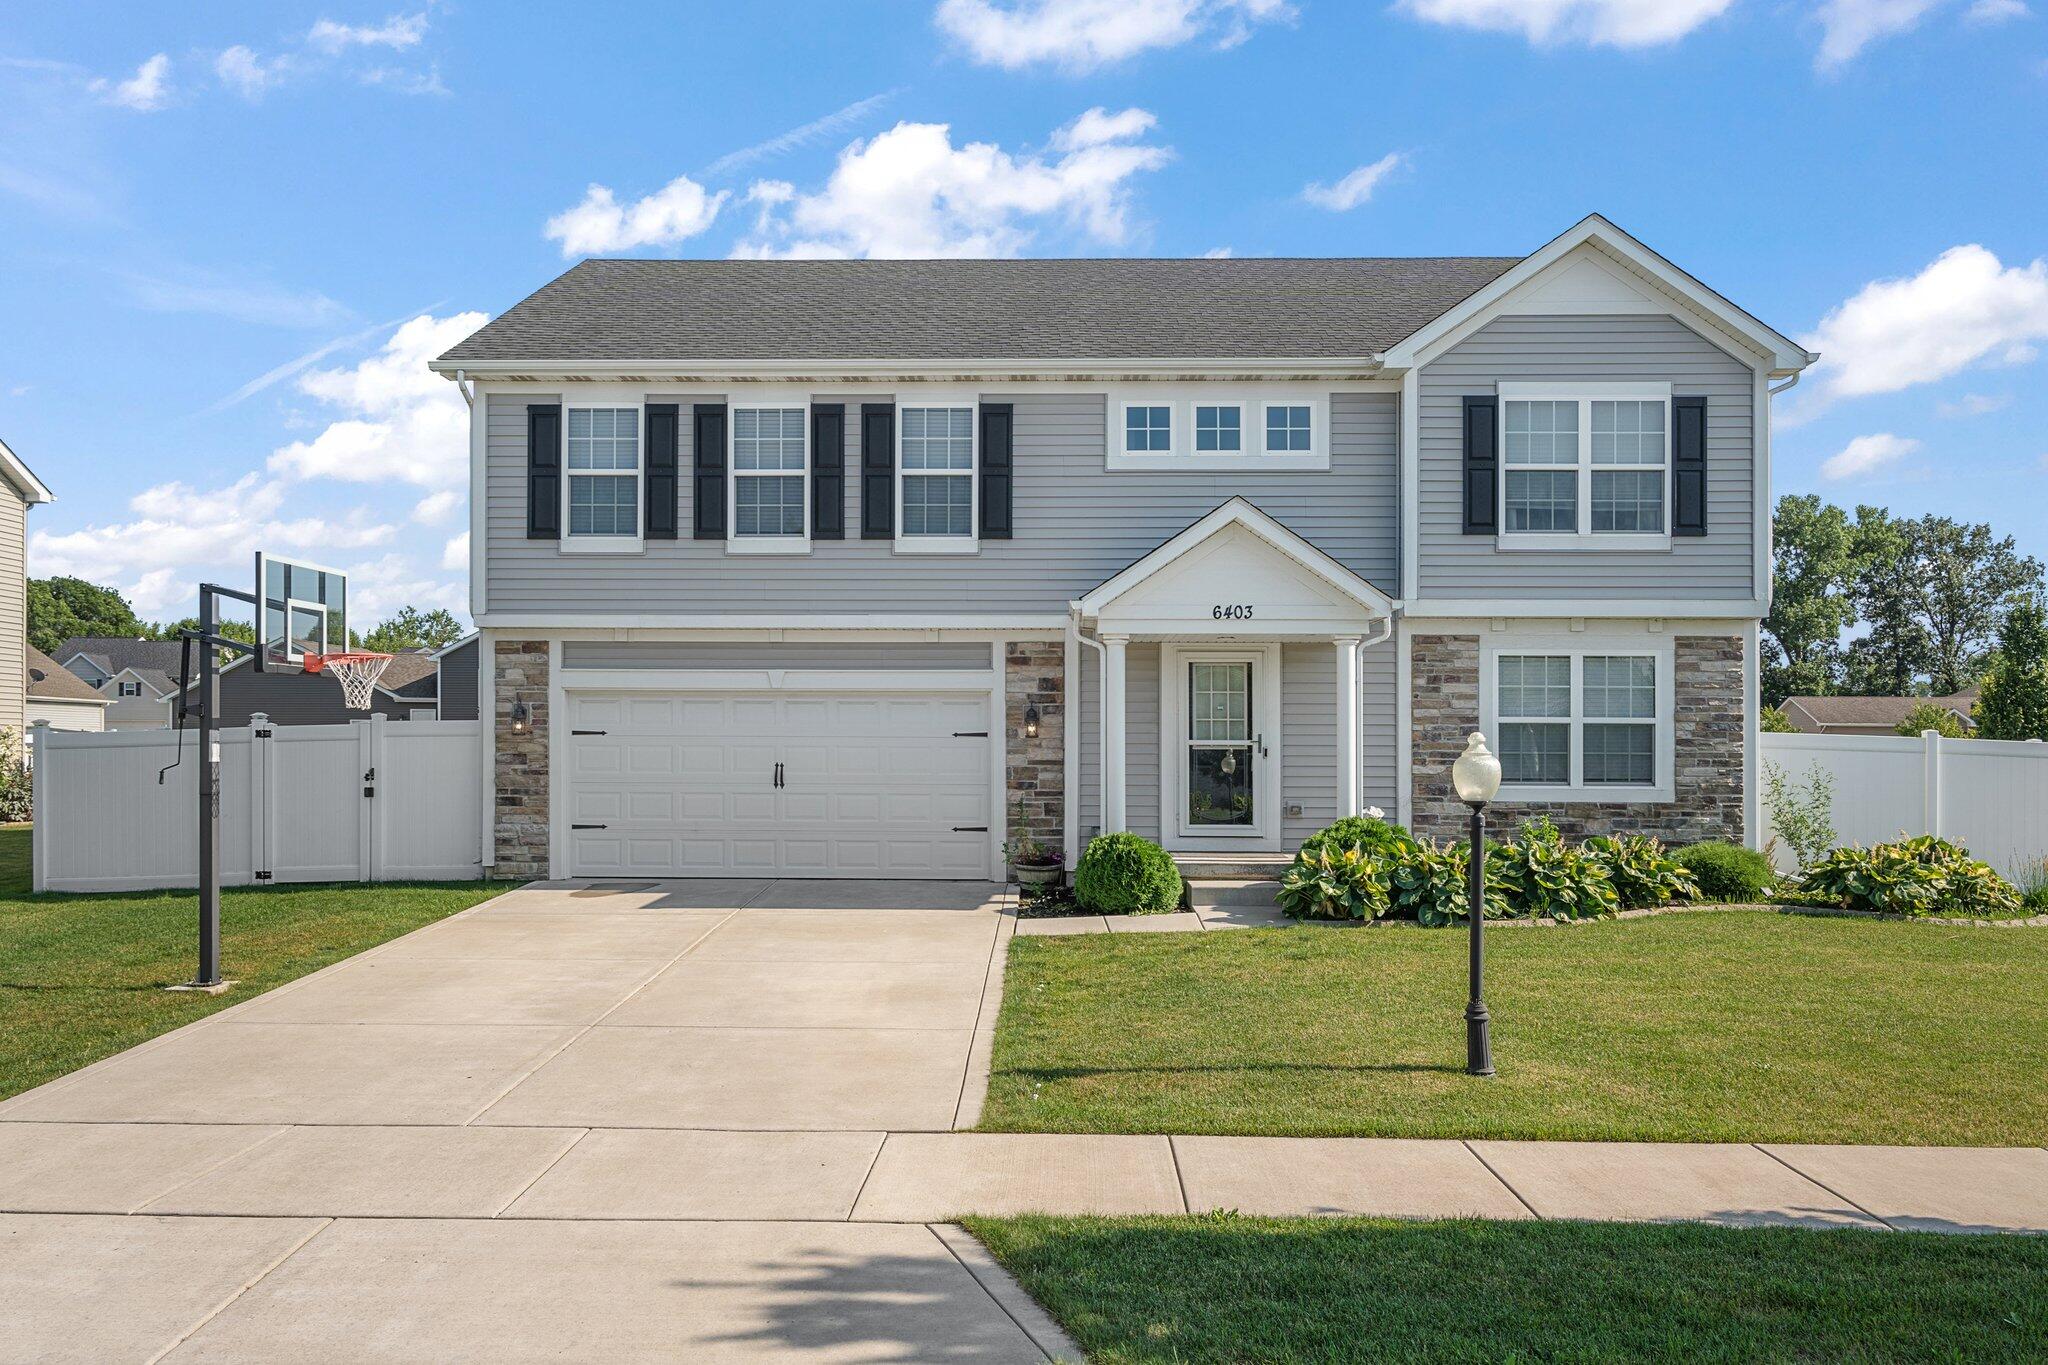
(1169,462)
(937,545)
(768,545)
(1618,795)
(601,545)
(1598,542)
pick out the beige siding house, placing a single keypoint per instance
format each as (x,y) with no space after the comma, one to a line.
(60,697)
(19,490)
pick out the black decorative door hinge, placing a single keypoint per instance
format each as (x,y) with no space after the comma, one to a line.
(590,827)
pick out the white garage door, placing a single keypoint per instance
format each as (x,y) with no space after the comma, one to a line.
(799,785)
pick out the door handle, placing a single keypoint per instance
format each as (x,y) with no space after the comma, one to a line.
(1259,743)
(778,775)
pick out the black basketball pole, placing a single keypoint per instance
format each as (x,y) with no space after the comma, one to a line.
(209,796)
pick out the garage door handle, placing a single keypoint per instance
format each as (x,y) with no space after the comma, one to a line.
(970,829)
(587,732)
(778,774)
(590,827)
(970,734)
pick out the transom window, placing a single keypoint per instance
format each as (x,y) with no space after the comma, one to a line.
(1219,427)
(1584,465)
(1578,720)
(937,472)
(1288,427)
(769,464)
(604,472)
(1148,427)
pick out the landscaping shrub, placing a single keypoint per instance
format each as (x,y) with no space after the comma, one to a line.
(1337,881)
(1921,876)
(1546,878)
(1126,874)
(1357,831)
(1727,872)
(1431,884)
(1643,874)
(1802,812)
(17,785)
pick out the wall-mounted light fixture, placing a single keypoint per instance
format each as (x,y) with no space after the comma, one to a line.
(1031,722)
(520,718)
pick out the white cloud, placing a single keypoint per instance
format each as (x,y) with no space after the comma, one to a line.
(147,90)
(799,136)
(1355,188)
(404,81)
(1598,23)
(910,192)
(377,588)
(1218,253)
(436,508)
(399,31)
(455,554)
(247,74)
(1975,404)
(1867,455)
(1964,309)
(1848,26)
(600,225)
(405,423)
(1996,11)
(198,291)
(1081,35)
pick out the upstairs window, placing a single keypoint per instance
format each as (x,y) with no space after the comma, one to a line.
(1289,428)
(1219,427)
(130,688)
(603,484)
(1585,466)
(770,449)
(1148,428)
(935,475)
(1249,427)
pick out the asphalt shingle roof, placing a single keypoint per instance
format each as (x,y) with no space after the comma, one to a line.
(692,310)
(115,652)
(411,675)
(51,681)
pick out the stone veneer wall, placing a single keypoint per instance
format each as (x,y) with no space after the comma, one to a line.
(1708,731)
(521,825)
(1035,774)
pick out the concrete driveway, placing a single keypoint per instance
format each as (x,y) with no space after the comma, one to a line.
(577,1122)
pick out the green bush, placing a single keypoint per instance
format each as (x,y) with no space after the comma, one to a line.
(17,784)
(1644,875)
(1126,874)
(1727,872)
(1546,878)
(1431,884)
(1920,876)
(1337,881)
(1357,831)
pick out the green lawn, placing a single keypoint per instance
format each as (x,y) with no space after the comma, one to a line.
(80,976)
(1243,1289)
(1740,1026)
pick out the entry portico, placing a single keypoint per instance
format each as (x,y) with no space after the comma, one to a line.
(1223,602)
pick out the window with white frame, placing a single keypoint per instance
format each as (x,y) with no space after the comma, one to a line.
(936,469)
(603,484)
(1586,720)
(1164,427)
(770,451)
(1219,427)
(1148,428)
(1289,428)
(130,688)
(1585,465)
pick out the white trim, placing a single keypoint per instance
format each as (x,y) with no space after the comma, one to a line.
(969,544)
(1070,740)
(1785,356)
(445,650)
(33,489)
(1181,457)
(479,492)
(1577,646)
(1404,722)
(1584,395)
(1264,722)
(765,400)
(487,748)
(1752,741)
(572,544)
(558,772)
(1761,528)
(825,373)
(775,680)
(1350,727)
(1115,721)
(678,625)
(998,767)
(1623,609)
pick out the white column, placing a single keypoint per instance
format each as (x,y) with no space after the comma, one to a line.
(1350,774)
(1113,707)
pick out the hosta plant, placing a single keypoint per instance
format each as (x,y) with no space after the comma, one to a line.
(1546,878)
(1431,884)
(1920,876)
(1644,875)
(1337,882)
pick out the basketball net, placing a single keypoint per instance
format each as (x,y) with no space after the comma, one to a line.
(357,671)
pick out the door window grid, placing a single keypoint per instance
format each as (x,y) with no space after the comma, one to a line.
(1219,769)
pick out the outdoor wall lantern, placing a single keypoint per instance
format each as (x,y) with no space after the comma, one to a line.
(1476,775)
(520,719)
(1031,722)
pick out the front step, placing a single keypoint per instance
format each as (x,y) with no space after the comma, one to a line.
(1202,867)
(1217,893)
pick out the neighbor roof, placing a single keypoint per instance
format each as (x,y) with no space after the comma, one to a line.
(691,310)
(412,674)
(116,652)
(49,680)
(1885,711)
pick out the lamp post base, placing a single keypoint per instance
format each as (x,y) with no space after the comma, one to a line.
(1478,1042)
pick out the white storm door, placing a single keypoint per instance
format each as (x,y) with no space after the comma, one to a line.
(1224,738)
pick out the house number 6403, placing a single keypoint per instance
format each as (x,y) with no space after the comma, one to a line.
(1240,611)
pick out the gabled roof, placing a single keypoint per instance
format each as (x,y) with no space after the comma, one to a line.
(1827,713)
(696,311)
(32,489)
(414,675)
(49,680)
(116,652)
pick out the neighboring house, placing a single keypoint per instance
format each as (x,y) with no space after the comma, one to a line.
(139,677)
(857,568)
(57,695)
(1870,715)
(293,697)
(456,681)
(20,490)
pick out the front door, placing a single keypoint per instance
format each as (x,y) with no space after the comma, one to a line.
(1224,793)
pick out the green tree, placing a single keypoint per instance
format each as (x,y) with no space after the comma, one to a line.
(1962,584)
(2014,703)
(1928,716)
(1772,721)
(412,628)
(1812,598)
(59,608)
(1893,654)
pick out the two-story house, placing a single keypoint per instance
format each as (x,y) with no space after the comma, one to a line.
(858,568)
(20,490)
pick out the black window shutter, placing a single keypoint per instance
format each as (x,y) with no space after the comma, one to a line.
(828,471)
(707,477)
(878,471)
(996,470)
(1689,466)
(663,429)
(543,471)
(1482,464)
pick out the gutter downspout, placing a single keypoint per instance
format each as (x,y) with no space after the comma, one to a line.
(467,388)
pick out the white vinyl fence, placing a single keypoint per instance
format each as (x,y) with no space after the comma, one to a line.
(371,800)
(1989,795)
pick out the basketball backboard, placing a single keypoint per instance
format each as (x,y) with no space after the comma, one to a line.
(302,608)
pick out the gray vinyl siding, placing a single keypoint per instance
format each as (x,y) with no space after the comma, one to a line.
(1623,347)
(868,656)
(1308,739)
(457,686)
(144,712)
(13,607)
(1141,741)
(1076,524)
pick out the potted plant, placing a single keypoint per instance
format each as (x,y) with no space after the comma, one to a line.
(1035,862)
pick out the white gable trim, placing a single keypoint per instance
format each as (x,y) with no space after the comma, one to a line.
(33,489)
(1783,355)
(1239,513)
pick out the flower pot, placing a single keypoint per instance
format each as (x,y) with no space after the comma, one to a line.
(1041,874)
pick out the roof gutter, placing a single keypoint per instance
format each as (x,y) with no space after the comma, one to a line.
(798,368)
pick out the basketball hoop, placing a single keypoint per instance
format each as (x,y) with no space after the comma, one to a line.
(356,670)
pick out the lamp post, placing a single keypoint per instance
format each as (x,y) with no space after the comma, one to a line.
(1476,775)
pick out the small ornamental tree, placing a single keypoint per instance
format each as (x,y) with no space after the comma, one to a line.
(1772,721)
(2014,702)
(1928,716)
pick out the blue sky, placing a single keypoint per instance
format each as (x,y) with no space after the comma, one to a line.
(229,234)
